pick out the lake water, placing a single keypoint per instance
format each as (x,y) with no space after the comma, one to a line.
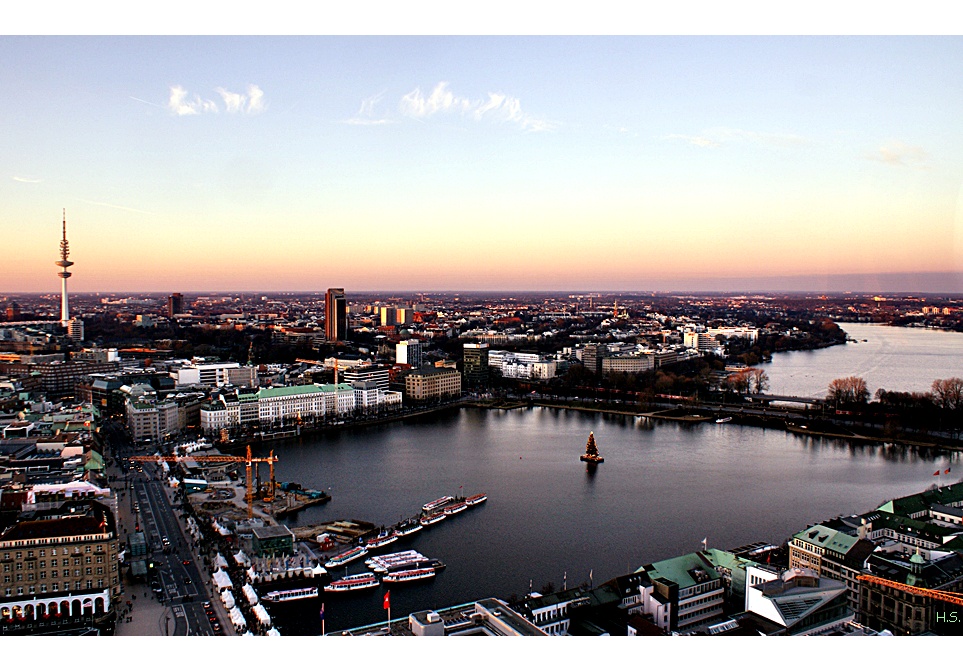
(888,357)
(662,488)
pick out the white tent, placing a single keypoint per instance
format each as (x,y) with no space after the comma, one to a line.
(251,574)
(228,598)
(272,632)
(222,580)
(262,615)
(250,594)
(237,617)
(219,561)
(242,559)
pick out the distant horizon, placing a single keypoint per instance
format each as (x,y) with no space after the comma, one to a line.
(887,283)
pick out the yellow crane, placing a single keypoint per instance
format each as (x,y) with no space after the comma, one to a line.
(247,460)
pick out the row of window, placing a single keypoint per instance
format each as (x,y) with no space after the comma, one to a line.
(56,587)
(53,574)
(53,551)
(53,563)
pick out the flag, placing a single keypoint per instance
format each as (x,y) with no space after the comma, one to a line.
(935,474)
(387,600)
(322,611)
(946,472)
(705,540)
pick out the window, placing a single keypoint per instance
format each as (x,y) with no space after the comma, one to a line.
(43,575)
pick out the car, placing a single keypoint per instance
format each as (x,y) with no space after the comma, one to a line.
(216,626)
(206,604)
(187,580)
(186,562)
(212,618)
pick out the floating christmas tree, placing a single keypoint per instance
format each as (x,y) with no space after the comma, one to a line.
(591,451)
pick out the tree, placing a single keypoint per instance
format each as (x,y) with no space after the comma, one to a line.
(949,393)
(848,390)
(759,379)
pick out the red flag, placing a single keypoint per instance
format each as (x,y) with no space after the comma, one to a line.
(946,471)
(387,600)
(935,474)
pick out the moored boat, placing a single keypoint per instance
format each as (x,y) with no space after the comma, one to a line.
(279,596)
(723,420)
(434,518)
(346,557)
(475,499)
(407,528)
(437,503)
(353,582)
(455,508)
(410,575)
(381,540)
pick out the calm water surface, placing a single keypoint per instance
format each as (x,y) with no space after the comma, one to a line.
(888,357)
(662,488)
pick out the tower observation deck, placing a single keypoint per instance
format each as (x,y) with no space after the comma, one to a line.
(63,275)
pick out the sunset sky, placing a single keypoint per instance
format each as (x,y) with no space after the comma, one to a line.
(429,163)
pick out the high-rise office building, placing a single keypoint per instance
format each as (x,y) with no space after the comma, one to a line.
(409,352)
(475,361)
(175,305)
(335,316)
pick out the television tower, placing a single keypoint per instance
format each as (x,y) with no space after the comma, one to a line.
(64,274)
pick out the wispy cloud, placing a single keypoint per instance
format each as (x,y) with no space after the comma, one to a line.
(182,104)
(116,207)
(495,107)
(713,138)
(26,180)
(250,103)
(901,155)
(367,114)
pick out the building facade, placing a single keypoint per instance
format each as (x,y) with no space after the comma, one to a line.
(335,315)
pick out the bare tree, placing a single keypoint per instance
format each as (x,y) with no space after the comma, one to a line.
(949,393)
(760,380)
(848,390)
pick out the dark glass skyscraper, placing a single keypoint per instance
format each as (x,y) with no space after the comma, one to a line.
(335,316)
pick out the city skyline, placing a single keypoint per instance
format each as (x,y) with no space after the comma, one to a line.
(484,163)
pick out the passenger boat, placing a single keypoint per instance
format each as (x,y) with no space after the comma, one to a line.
(433,518)
(410,576)
(723,420)
(388,563)
(455,508)
(591,451)
(279,596)
(353,582)
(381,540)
(437,503)
(345,557)
(476,499)
(408,528)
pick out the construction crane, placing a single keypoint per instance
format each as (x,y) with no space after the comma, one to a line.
(247,460)
(949,597)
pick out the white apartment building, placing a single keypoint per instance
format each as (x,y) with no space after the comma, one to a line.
(215,375)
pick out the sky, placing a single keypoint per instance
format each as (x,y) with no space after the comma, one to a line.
(467,162)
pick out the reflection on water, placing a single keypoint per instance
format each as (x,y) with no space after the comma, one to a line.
(663,487)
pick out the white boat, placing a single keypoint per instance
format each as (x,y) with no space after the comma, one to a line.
(723,420)
(345,557)
(385,563)
(279,596)
(476,499)
(353,582)
(433,518)
(381,540)
(410,576)
(455,508)
(408,528)
(437,503)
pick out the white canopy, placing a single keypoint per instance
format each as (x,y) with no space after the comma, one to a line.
(242,559)
(222,580)
(262,615)
(251,574)
(228,598)
(272,632)
(219,561)
(250,594)
(237,617)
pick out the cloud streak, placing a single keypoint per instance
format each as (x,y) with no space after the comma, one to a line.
(366,115)
(116,207)
(182,103)
(26,180)
(495,108)
(714,138)
(901,155)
